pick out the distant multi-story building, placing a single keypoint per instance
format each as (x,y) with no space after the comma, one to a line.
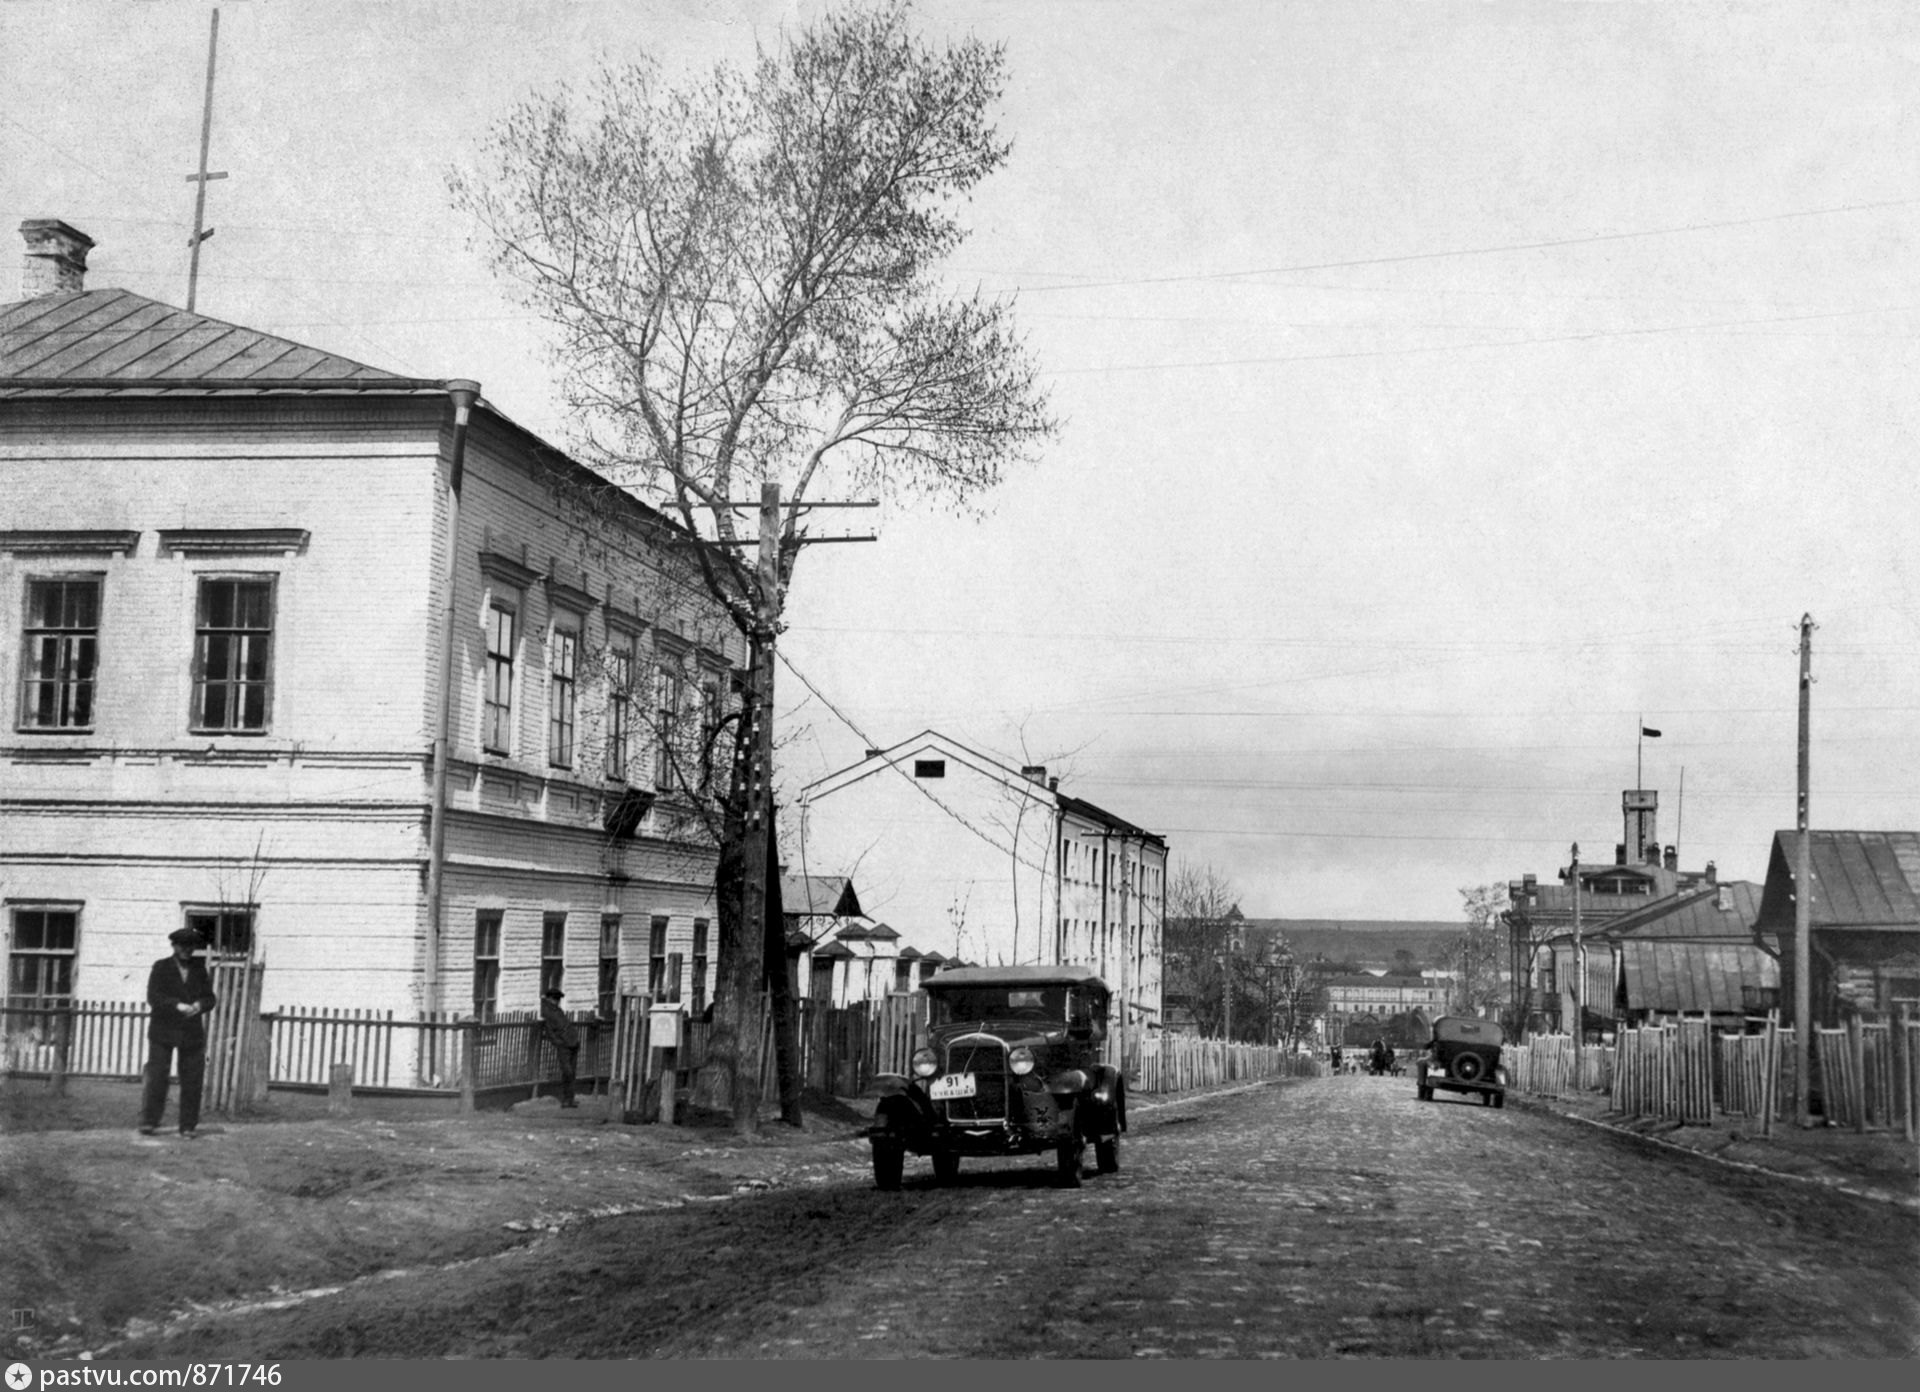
(1364,1000)
(995,863)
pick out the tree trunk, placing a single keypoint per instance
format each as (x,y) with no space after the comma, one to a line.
(730,1079)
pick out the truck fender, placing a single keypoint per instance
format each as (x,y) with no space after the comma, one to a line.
(904,1114)
(1107,1094)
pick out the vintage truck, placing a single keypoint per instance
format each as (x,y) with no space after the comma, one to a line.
(1011,1065)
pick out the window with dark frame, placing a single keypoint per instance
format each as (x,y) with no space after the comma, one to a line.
(676,967)
(497,716)
(233,655)
(657,960)
(60,653)
(699,998)
(670,693)
(619,704)
(486,963)
(41,954)
(562,655)
(609,962)
(553,951)
(929,768)
(226,929)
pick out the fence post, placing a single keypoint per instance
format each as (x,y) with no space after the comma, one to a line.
(340,1090)
(463,1043)
(1857,1055)
(62,1041)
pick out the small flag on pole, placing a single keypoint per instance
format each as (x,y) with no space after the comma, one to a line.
(1648,732)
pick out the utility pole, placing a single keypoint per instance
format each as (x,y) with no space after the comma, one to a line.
(200,229)
(1579,968)
(1803,901)
(762,936)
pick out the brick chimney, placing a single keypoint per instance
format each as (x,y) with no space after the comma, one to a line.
(56,262)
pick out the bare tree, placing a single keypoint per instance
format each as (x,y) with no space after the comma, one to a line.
(1197,943)
(1481,949)
(742,277)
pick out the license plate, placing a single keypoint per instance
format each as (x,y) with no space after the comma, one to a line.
(952,1085)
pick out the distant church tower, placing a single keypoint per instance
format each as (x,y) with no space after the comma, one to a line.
(1639,808)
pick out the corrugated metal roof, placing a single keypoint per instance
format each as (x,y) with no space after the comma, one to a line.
(1861,879)
(1675,976)
(117,341)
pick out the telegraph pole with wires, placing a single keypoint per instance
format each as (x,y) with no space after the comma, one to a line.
(759,858)
(1803,901)
(200,229)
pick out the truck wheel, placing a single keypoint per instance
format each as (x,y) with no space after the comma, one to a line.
(1067,1158)
(946,1166)
(1106,1155)
(1499,1099)
(1468,1068)
(1425,1094)
(889,1159)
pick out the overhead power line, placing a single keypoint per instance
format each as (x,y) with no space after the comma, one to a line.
(1497,249)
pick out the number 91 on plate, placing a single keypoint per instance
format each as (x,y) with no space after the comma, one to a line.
(951,1085)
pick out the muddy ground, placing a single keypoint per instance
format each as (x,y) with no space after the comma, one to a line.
(109,1237)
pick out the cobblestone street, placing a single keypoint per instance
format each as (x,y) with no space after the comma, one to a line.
(1324,1218)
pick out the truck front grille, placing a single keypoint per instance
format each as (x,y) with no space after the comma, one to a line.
(986,1059)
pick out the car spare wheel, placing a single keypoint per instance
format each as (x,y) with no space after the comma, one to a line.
(889,1158)
(1106,1155)
(1468,1067)
(946,1166)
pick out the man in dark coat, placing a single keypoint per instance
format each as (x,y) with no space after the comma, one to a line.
(181,995)
(560,1032)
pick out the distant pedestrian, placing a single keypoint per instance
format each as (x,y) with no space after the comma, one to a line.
(181,995)
(1336,1060)
(561,1032)
(1382,1057)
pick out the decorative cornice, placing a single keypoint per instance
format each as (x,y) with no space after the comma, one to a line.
(570,597)
(497,566)
(233,541)
(70,543)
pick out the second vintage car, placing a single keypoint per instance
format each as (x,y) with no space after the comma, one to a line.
(1463,1056)
(1011,1065)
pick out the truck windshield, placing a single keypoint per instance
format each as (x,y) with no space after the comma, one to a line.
(1037,1003)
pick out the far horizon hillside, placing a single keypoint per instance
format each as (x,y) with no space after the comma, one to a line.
(1366,942)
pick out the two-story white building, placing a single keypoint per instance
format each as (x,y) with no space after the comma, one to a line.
(344,668)
(994,863)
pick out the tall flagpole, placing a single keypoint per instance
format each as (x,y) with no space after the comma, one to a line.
(200,229)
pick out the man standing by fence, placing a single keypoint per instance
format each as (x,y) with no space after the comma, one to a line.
(181,996)
(565,1038)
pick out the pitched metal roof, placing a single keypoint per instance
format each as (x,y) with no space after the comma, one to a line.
(1861,880)
(118,343)
(1695,915)
(830,895)
(1675,976)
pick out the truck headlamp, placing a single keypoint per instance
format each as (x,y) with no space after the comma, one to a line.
(925,1063)
(1020,1060)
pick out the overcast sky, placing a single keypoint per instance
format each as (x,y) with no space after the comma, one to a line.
(1447,389)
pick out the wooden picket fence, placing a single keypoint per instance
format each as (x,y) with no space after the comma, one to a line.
(1545,1065)
(1157,1062)
(842,1050)
(1685,1070)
